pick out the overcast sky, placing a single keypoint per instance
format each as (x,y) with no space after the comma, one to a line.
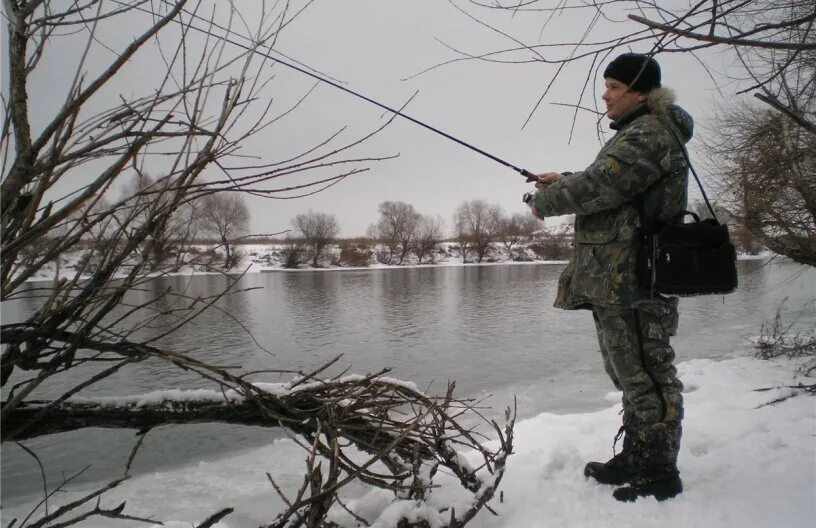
(372,45)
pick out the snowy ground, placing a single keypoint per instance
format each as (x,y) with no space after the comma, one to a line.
(744,464)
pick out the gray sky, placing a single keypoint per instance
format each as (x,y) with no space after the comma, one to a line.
(373,44)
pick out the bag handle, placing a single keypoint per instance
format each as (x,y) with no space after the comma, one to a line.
(682,214)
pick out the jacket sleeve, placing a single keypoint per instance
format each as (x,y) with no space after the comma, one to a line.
(620,174)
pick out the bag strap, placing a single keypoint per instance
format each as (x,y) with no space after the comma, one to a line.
(673,132)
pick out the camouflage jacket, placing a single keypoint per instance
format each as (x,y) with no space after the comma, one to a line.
(642,164)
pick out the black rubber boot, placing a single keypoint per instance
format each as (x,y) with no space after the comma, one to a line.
(654,454)
(661,485)
(616,471)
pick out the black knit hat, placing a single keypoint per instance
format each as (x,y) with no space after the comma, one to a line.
(629,68)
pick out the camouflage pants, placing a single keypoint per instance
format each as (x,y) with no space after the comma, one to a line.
(639,359)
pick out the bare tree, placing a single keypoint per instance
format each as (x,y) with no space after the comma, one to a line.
(463,238)
(318,230)
(515,228)
(477,225)
(765,166)
(396,229)
(427,236)
(226,216)
(210,93)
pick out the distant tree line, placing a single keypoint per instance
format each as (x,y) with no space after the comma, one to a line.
(220,217)
(480,231)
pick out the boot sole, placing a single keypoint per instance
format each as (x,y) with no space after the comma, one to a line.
(659,490)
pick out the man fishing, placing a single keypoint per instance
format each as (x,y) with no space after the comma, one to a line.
(638,178)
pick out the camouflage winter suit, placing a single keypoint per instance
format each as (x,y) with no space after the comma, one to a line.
(641,166)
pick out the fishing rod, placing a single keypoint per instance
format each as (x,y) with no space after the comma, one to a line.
(524,172)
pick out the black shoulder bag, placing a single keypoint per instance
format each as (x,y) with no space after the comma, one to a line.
(686,259)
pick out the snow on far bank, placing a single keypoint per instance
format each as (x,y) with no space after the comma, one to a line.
(743,463)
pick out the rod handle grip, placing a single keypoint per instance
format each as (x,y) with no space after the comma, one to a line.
(529,175)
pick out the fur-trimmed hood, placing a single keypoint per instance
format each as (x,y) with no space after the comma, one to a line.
(660,103)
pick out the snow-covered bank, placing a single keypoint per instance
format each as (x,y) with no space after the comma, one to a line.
(744,464)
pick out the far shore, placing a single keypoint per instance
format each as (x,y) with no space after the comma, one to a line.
(375,267)
(260,258)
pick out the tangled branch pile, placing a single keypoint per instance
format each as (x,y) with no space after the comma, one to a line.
(363,429)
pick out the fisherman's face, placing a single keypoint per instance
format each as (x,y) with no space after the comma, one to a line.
(619,98)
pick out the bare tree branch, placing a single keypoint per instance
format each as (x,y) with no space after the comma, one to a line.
(738,40)
(797,117)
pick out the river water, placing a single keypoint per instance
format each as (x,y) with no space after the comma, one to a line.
(491,328)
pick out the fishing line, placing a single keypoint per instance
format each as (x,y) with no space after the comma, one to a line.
(524,172)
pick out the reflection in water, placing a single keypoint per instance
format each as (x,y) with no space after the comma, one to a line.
(490,328)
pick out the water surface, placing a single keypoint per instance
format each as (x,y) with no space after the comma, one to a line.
(492,329)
